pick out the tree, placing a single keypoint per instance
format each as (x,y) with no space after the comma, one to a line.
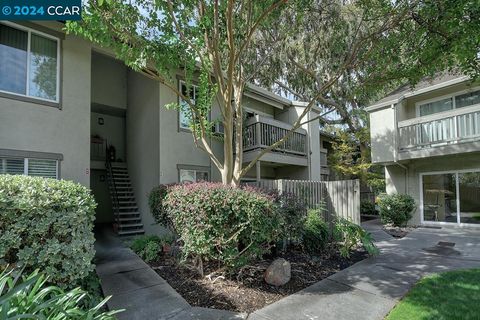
(224,45)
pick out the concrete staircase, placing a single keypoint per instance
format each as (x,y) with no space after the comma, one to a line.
(123,201)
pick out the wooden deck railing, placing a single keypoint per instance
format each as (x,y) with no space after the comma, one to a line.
(261,132)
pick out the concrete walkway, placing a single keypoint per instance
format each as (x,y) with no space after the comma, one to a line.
(366,290)
(371,288)
(140,290)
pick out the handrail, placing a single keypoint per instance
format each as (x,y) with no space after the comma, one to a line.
(260,134)
(111,180)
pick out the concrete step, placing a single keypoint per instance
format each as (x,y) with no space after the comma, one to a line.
(130,225)
(130,232)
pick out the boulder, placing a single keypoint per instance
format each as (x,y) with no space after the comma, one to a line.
(278,273)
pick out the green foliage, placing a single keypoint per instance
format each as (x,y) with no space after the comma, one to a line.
(316,234)
(396,208)
(222,223)
(352,235)
(31,297)
(47,224)
(155,201)
(367,207)
(293,212)
(150,246)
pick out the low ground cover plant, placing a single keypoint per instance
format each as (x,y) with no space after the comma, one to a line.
(47,224)
(148,247)
(396,209)
(32,297)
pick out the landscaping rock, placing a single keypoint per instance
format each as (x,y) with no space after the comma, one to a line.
(278,273)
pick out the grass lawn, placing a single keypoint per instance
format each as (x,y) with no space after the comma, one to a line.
(450,295)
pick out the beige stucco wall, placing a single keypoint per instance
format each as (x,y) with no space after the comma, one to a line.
(382,133)
(396,180)
(109,81)
(143,152)
(34,127)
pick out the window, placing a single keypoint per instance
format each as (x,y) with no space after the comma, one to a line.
(184,114)
(436,106)
(191,175)
(29,63)
(453,102)
(28,166)
(467,99)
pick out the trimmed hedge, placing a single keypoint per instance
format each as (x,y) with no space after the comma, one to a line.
(221,223)
(396,208)
(47,224)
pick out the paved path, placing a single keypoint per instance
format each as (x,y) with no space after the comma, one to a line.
(140,290)
(371,288)
(366,290)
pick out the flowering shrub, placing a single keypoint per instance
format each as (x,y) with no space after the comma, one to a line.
(47,224)
(222,223)
(155,201)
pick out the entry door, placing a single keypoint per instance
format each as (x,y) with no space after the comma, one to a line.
(451,197)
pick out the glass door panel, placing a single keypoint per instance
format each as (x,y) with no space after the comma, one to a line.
(469,187)
(439,198)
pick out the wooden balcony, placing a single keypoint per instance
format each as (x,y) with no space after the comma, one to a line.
(440,130)
(262,132)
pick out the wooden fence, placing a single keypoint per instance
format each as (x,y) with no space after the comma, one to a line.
(341,198)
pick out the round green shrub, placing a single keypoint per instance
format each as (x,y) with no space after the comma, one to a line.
(396,208)
(367,207)
(47,224)
(315,232)
(222,223)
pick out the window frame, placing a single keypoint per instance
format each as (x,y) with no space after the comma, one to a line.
(439,98)
(26,97)
(26,165)
(195,168)
(180,83)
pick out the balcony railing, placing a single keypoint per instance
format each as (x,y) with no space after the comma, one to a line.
(262,132)
(455,126)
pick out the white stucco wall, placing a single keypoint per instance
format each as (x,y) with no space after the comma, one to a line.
(33,127)
(382,133)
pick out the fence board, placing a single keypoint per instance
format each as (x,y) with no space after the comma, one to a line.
(341,198)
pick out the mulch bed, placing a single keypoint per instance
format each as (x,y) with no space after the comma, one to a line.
(246,291)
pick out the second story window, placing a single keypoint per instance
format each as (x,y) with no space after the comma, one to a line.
(185,114)
(29,63)
(436,106)
(467,99)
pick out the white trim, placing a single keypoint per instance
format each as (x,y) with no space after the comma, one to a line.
(417,92)
(457,196)
(29,39)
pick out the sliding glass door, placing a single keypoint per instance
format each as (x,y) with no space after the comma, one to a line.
(452,197)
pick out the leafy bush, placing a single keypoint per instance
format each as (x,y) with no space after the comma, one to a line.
(349,235)
(149,247)
(33,298)
(367,207)
(293,212)
(155,202)
(316,233)
(47,224)
(396,208)
(222,223)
